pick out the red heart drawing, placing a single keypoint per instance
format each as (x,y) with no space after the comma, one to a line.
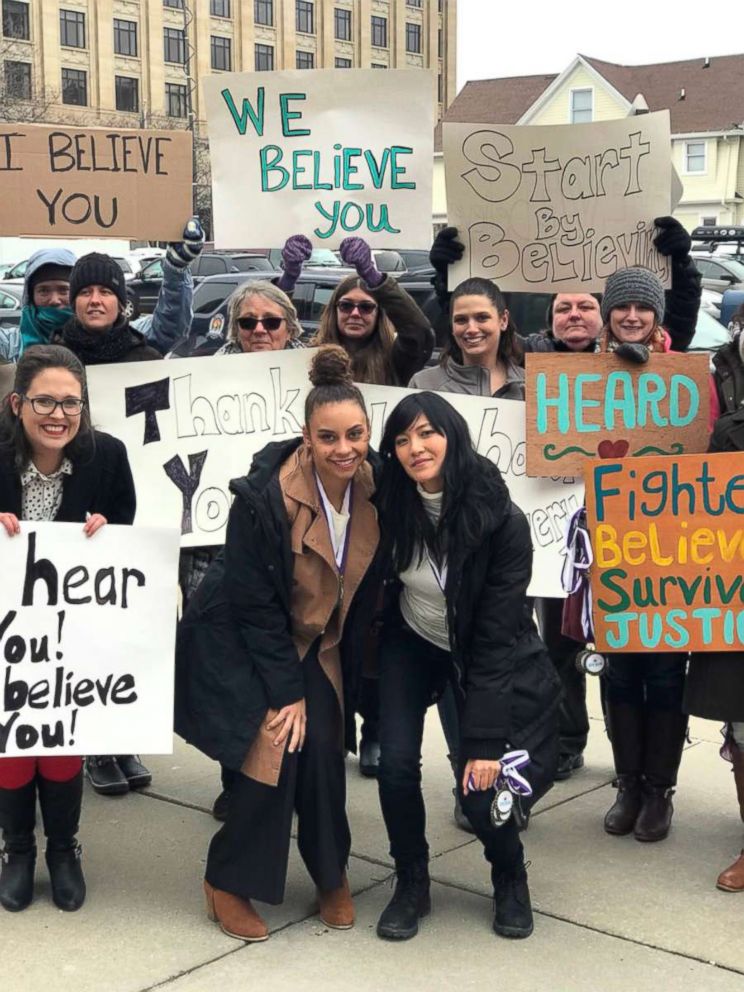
(612,449)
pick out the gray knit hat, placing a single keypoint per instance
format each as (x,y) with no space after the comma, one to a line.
(633,285)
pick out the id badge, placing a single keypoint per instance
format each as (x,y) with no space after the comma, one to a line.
(501,807)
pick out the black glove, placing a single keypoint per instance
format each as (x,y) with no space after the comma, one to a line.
(672,239)
(446,249)
(635,353)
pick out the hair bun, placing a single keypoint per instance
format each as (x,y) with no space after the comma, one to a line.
(331,366)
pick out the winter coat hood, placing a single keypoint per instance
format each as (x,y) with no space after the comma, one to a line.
(45,256)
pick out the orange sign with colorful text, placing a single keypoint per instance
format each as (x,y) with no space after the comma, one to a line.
(667,537)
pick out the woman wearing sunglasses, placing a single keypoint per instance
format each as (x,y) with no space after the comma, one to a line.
(260,317)
(53,466)
(376,321)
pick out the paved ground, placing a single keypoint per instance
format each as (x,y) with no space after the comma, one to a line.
(611,914)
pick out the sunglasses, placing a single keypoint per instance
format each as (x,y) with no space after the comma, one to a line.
(270,324)
(366,307)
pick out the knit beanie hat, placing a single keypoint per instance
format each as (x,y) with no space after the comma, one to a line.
(97,269)
(48,273)
(633,285)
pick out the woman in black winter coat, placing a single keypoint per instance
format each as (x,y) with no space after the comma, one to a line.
(461,556)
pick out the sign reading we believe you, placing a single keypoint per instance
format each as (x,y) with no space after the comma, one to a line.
(327,153)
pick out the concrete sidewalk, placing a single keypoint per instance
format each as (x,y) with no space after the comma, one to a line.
(611,914)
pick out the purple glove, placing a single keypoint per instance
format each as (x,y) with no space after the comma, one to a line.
(296,250)
(357,253)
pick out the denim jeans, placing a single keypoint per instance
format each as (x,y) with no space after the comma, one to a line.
(411,672)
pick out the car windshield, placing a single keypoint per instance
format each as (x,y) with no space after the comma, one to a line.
(123,264)
(323,258)
(735,268)
(251,263)
(709,334)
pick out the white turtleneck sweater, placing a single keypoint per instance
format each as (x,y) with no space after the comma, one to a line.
(422,602)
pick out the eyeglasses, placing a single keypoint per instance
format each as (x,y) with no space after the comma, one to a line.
(269,324)
(44,405)
(365,307)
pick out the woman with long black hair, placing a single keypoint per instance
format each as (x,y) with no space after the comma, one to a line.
(460,553)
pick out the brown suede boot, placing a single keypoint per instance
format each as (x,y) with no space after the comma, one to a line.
(731,879)
(236,917)
(738,762)
(336,907)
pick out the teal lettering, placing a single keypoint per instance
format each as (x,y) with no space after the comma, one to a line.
(384,222)
(619,398)
(317,184)
(689,591)
(272,166)
(560,402)
(331,218)
(291,115)
(683,635)
(651,390)
(619,639)
(298,169)
(396,169)
(346,223)
(350,169)
(680,385)
(377,172)
(241,118)
(581,404)
(607,579)
(650,627)
(706,616)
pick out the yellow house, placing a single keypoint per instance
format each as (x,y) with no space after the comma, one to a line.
(705,98)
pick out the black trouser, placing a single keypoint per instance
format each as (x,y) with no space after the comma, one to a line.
(573,719)
(410,668)
(249,855)
(656,681)
(368,708)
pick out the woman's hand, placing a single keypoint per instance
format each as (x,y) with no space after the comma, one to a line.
(94,522)
(484,775)
(10,523)
(291,719)
(357,253)
(296,250)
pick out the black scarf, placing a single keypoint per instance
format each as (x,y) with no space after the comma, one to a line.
(96,348)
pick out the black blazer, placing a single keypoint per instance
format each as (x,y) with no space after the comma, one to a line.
(101,482)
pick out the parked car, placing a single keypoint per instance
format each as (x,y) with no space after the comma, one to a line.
(718,272)
(711,302)
(710,334)
(311,295)
(10,304)
(143,289)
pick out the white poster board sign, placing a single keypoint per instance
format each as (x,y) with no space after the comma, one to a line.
(190,425)
(327,153)
(557,208)
(87,640)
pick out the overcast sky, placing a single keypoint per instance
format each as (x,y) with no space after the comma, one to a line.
(525,37)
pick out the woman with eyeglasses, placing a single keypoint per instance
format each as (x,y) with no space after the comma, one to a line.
(373,318)
(53,466)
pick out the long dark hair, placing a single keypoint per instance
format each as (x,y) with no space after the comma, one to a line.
(38,358)
(474,493)
(509,346)
(372,360)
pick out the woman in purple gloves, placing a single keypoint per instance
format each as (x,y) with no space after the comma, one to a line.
(376,322)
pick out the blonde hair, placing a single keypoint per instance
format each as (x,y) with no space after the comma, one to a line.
(373,361)
(254,287)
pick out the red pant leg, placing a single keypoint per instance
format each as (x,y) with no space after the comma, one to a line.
(60,769)
(16,772)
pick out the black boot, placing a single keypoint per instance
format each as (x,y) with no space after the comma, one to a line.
(60,809)
(410,902)
(512,910)
(627,736)
(459,814)
(665,737)
(137,775)
(18,818)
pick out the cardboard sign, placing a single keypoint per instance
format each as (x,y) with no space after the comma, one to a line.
(87,640)
(557,208)
(193,424)
(668,542)
(599,406)
(100,182)
(327,153)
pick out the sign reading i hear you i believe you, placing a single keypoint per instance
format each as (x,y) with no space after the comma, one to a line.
(327,153)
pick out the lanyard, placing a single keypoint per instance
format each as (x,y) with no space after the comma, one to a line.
(340,548)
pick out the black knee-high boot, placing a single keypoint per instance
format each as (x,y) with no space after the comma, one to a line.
(18,819)
(60,809)
(627,735)
(665,741)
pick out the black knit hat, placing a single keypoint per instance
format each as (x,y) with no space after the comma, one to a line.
(97,269)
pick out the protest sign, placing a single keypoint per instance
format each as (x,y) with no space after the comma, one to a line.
(557,208)
(668,542)
(104,182)
(598,406)
(87,640)
(192,425)
(327,153)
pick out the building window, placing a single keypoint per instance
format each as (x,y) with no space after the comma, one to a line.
(581,106)
(705,221)
(219,8)
(263,12)
(15,20)
(175,99)
(694,156)
(18,80)
(378,65)
(304,17)
(125,38)
(413,38)
(414,3)
(342,24)
(440,43)
(72,28)
(264,58)
(221,49)
(305,60)
(174,45)
(343,63)
(379,32)
(127,94)
(75,87)
(439,87)
(177,4)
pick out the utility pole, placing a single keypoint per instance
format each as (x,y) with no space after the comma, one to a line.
(188,67)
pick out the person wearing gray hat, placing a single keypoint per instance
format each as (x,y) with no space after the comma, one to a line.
(633,311)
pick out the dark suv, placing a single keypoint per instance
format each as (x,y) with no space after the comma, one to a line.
(143,290)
